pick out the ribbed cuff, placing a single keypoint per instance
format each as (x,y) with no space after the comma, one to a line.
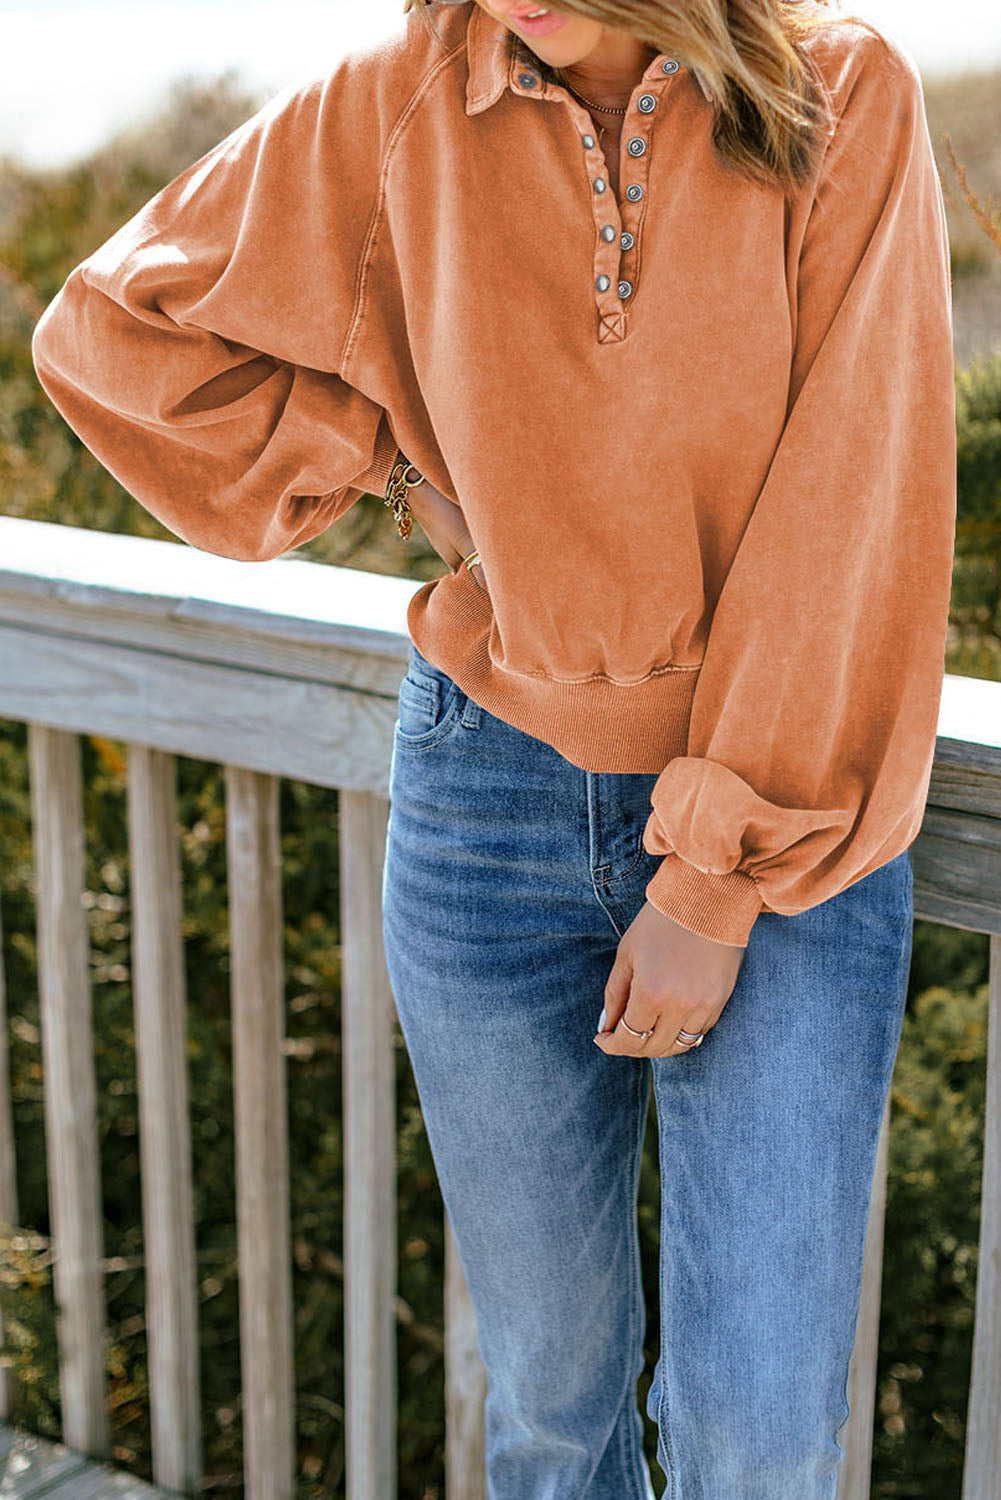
(723,907)
(376,476)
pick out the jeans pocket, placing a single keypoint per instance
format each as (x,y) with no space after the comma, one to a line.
(429,704)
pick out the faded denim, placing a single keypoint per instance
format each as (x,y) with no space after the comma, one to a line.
(510,876)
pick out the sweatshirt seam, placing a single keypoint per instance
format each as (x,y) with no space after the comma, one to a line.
(604,676)
(352,334)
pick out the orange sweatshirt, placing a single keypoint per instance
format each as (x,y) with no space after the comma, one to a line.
(703,436)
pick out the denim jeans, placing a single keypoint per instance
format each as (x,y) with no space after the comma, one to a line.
(510,877)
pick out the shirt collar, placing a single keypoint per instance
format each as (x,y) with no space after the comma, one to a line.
(493,66)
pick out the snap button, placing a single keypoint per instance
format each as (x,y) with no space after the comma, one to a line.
(602,283)
(588,141)
(627,240)
(599,184)
(634,192)
(608,232)
(671,66)
(636,146)
(645,103)
(527,80)
(625,289)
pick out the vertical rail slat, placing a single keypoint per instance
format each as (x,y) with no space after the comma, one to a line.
(8,1172)
(262,1165)
(71,1127)
(855,1471)
(465,1385)
(369,1075)
(164,1135)
(982,1463)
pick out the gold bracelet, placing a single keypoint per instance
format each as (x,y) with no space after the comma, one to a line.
(396,496)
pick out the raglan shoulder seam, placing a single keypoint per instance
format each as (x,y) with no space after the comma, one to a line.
(406,115)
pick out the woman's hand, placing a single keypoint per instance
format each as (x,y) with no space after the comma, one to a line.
(443,524)
(669,978)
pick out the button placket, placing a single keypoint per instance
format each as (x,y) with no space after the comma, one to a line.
(638,147)
(612,286)
(608,226)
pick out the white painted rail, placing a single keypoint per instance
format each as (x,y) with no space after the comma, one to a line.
(290,669)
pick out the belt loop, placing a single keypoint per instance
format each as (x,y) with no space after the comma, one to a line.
(472,714)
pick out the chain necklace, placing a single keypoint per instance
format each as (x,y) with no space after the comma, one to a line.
(607,109)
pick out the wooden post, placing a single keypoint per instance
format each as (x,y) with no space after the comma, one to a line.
(71,1138)
(262,1167)
(465,1385)
(369,1154)
(982,1463)
(164,1135)
(8,1173)
(855,1471)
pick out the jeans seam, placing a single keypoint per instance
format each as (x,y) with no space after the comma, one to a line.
(635,1457)
(666,1441)
(635,1271)
(607,878)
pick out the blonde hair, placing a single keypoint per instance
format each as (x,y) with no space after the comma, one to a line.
(768,104)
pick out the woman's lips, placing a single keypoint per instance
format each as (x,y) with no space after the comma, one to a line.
(542,26)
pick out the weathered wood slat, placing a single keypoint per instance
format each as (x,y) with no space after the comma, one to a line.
(262,1158)
(261,720)
(71,1134)
(856,1435)
(32,1467)
(957,865)
(164,1135)
(8,1174)
(340,660)
(369,1088)
(465,1385)
(982,1464)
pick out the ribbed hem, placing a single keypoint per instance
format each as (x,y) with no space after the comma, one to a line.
(376,476)
(597,724)
(723,907)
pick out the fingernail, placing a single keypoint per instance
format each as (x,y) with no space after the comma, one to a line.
(601,1020)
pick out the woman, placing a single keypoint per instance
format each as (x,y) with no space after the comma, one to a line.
(644,307)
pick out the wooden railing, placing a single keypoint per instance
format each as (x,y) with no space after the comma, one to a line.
(291,669)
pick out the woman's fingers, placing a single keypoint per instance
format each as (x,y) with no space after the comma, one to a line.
(616,993)
(624,1010)
(663,1027)
(678,980)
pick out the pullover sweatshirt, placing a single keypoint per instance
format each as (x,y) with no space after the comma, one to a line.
(703,434)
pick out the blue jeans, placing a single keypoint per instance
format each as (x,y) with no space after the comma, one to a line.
(510,877)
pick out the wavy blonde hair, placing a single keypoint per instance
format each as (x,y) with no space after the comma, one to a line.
(768,103)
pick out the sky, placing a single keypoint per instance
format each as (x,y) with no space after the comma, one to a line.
(72,73)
